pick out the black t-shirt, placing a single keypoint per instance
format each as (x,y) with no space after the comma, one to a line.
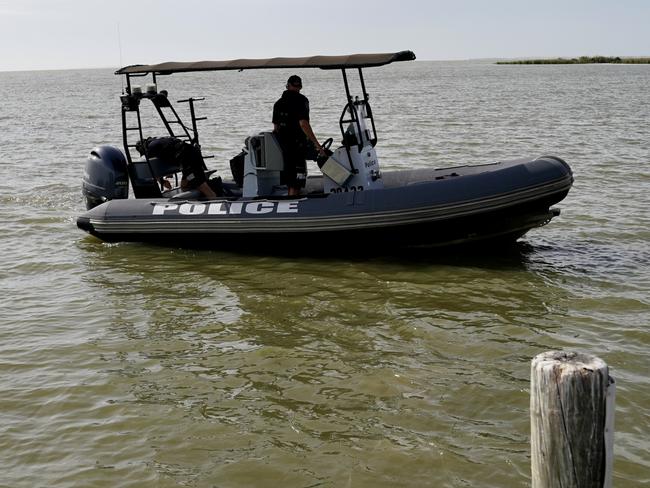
(174,151)
(288,111)
(165,148)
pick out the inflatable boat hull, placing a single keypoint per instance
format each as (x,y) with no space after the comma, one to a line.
(501,201)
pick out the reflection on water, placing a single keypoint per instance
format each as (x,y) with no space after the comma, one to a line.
(372,361)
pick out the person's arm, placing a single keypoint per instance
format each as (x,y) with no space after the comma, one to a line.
(306,128)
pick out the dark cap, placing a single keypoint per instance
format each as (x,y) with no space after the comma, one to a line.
(294,80)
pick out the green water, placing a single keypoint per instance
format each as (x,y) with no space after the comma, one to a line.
(133,365)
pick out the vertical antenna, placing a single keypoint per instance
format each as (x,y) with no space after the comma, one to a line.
(119,44)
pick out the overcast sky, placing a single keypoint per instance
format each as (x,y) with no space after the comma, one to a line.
(61,34)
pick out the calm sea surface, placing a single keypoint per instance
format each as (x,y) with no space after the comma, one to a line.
(143,366)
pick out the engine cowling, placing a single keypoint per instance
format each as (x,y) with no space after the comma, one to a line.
(105,176)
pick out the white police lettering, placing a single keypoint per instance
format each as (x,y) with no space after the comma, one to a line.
(226,208)
(288,207)
(191,209)
(161,208)
(218,209)
(235,208)
(260,207)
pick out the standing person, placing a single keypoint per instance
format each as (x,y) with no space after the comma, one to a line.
(292,128)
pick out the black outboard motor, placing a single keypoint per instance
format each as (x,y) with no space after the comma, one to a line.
(105,176)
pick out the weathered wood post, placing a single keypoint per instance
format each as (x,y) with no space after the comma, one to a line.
(571,421)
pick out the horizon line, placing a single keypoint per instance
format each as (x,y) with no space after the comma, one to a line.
(491,58)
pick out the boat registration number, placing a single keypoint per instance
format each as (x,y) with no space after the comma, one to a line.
(346,189)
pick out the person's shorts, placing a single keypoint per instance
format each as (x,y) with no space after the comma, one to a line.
(295,169)
(195,177)
(192,164)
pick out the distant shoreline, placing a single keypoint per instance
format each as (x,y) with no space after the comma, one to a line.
(581,60)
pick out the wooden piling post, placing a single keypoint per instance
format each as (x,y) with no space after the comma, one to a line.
(571,421)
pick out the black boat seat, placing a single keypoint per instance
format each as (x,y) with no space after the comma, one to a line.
(142,170)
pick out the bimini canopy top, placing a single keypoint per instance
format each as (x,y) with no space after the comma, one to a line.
(322,62)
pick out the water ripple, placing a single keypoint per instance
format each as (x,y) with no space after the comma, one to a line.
(135,365)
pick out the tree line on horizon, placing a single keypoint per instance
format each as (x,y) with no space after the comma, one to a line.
(581,60)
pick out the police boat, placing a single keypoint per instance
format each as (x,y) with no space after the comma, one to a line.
(353,204)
